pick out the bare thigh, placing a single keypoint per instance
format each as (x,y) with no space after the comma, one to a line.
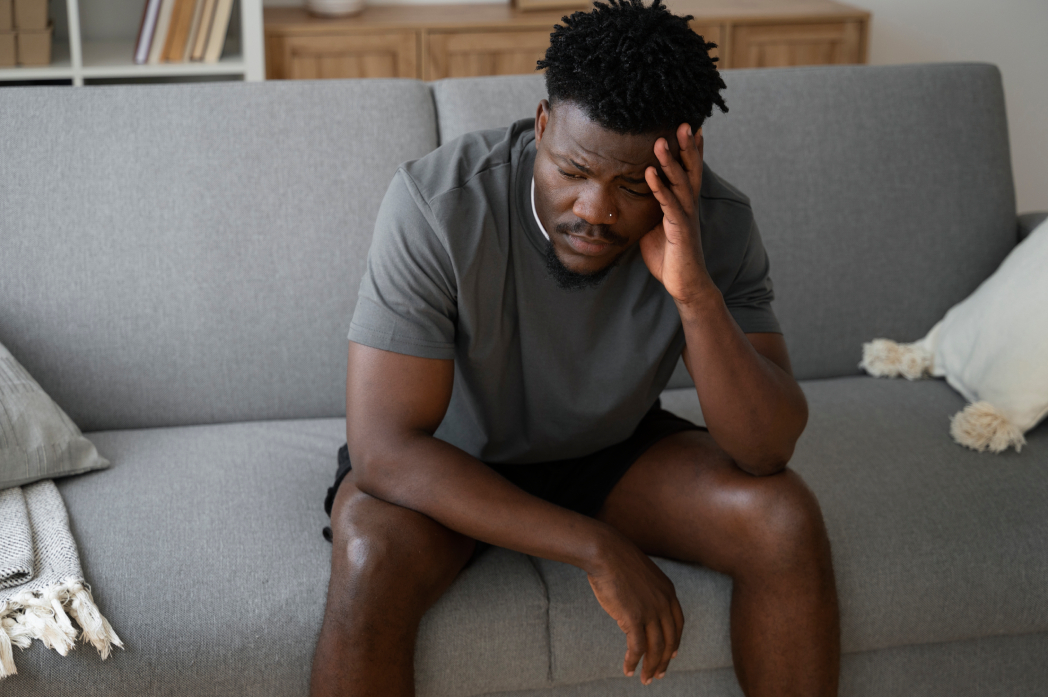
(686,499)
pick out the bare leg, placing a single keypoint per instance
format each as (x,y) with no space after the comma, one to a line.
(685,499)
(388,566)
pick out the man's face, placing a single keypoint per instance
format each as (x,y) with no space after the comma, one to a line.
(590,192)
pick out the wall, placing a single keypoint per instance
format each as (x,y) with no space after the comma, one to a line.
(1013,34)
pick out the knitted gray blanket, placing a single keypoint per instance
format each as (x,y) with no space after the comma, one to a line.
(42,588)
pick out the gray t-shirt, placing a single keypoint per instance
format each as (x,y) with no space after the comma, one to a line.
(457,270)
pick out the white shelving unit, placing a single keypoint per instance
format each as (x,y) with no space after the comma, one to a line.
(85,58)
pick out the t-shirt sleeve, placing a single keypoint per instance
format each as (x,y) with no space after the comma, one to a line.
(407,302)
(750,294)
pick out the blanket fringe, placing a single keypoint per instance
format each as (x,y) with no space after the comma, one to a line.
(980,426)
(884,358)
(45,615)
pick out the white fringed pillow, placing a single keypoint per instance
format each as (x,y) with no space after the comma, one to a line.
(992,347)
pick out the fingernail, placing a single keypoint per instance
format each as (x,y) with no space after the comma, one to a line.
(630,674)
(674,655)
(689,132)
(661,675)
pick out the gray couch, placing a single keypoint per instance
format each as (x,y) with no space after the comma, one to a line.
(178,267)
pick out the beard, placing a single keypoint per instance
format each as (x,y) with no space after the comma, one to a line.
(566,279)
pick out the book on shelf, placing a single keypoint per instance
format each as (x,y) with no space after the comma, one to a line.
(177,31)
(200,42)
(156,48)
(145,30)
(198,11)
(216,37)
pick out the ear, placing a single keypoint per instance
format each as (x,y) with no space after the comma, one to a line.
(541,119)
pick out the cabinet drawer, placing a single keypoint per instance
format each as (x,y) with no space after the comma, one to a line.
(782,45)
(472,54)
(391,54)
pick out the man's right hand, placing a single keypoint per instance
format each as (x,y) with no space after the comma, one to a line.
(642,600)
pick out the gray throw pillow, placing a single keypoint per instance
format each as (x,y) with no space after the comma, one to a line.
(37,439)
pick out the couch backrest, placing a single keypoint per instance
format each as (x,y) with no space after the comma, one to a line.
(175,254)
(884,194)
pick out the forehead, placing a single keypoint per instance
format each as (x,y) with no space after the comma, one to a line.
(575,135)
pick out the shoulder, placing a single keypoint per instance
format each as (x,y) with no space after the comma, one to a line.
(716,188)
(467,161)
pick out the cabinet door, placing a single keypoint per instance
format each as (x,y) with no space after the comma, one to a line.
(775,46)
(310,57)
(472,54)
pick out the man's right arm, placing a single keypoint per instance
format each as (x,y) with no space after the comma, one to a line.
(394,404)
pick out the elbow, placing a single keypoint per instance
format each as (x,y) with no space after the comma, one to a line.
(767,462)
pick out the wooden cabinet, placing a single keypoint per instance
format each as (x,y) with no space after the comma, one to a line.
(431,42)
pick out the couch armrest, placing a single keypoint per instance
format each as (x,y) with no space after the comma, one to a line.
(1028,221)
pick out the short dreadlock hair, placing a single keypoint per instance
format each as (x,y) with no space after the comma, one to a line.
(633,68)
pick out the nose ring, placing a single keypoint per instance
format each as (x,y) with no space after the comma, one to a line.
(609,215)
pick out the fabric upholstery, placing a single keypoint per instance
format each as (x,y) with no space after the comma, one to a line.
(209,562)
(932,542)
(1008,665)
(190,253)
(879,204)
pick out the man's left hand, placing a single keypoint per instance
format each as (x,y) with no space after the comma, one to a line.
(672,249)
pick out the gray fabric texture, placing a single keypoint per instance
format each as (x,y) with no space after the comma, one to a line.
(1006,665)
(208,559)
(37,439)
(932,542)
(1028,221)
(190,253)
(880,205)
(474,104)
(16,539)
(457,270)
(55,557)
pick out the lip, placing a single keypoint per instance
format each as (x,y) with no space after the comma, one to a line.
(586,245)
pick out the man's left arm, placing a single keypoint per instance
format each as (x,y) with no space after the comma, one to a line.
(753,407)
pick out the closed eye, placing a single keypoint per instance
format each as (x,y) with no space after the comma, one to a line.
(639,194)
(568,176)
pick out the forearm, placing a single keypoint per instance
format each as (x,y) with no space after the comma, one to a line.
(753,408)
(462,493)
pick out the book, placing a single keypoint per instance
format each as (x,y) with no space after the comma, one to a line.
(206,17)
(163,21)
(198,10)
(145,30)
(216,37)
(181,19)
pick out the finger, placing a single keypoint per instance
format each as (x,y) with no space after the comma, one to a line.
(678,618)
(690,155)
(669,634)
(674,173)
(675,216)
(653,655)
(635,643)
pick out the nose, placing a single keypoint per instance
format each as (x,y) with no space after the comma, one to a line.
(596,206)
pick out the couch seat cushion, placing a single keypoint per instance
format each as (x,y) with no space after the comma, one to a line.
(932,542)
(203,546)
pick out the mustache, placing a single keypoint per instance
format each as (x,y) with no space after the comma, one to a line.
(582,228)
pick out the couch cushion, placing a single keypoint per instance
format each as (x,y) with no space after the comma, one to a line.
(883,193)
(203,546)
(932,542)
(190,253)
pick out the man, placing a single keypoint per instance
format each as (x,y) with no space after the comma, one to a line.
(527,295)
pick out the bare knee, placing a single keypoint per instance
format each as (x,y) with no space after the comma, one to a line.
(781,526)
(391,557)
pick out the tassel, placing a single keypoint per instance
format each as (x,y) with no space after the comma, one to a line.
(981,427)
(40,622)
(96,629)
(18,634)
(7,656)
(884,358)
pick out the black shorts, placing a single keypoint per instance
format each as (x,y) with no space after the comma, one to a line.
(580,484)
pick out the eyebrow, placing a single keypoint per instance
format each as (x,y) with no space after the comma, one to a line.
(583,168)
